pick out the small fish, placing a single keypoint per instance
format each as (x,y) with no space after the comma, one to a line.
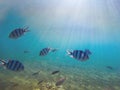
(26,51)
(45,51)
(60,81)
(40,82)
(36,73)
(13,65)
(18,33)
(55,72)
(79,54)
(109,67)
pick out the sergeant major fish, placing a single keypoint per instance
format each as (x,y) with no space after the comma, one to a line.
(45,51)
(79,54)
(18,33)
(13,65)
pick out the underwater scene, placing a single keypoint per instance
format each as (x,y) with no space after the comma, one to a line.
(59,44)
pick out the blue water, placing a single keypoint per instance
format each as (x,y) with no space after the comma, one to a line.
(66,25)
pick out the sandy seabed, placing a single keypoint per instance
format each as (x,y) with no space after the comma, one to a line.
(76,78)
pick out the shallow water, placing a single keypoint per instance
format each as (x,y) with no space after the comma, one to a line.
(65,25)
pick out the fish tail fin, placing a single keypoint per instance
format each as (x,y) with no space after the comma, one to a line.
(26,29)
(2,61)
(53,49)
(69,52)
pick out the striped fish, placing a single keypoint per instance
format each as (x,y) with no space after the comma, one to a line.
(13,65)
(45,51)
(18,33)
(79,54)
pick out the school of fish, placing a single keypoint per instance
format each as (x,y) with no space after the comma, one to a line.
(17,66)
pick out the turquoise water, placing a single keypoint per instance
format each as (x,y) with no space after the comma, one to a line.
(66,25)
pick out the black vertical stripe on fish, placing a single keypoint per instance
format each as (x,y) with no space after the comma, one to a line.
(16,33)
(11,63)
(15,65)
(7,64)
(78,54)
(42,52)
(20,67)
(74,53)
(46,50)
(85,56)
(20,31)
(13,34)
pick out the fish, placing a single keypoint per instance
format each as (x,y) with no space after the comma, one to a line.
(26,51)
(60,81)
(13,65)
(47,50)
(55,72)
(36,73)
(18,32)
(40,82)
(79,54)
(109,67)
